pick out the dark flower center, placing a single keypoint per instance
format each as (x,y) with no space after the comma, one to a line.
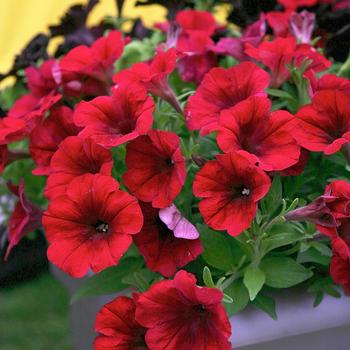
(200,310)
(139,342)
(165,164)
(101,227)
(240,191)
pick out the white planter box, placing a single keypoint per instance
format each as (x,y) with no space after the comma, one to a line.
(300,326)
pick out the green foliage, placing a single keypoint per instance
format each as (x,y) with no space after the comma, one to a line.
(266,304)
(110,280)
(284,272)
(240,297)
(217,244)
(254,279)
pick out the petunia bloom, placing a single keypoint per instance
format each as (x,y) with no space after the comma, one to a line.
(327,210)
(230,188)
(153,76)
(25,218)
(113,120)
(163,251)
(11,130)
(91,226)
(181,315)
(234,47)
(46,137)
(222,89)
(327,82)
(88,70)
(117,328)
(195,44)
(339,271)
(279,53)
(156,168)
(196,21)
(266,137)
(279,22)
(294,4)
(324,125)
(75,157)
(43,95)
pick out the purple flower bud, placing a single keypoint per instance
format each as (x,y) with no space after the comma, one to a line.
(316,212)
(302,25)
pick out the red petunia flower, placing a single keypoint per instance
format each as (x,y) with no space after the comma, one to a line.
(113,120)
(234,47)
(32,107)
(331,213)
(11,130)
(88,70)
(197,55)
(195,44)
(156,168)
(339,271)
(230,187)
(327,82)
(279,53)
(181,315)
(117,328)
(25,218)
(153,76)
(194,20)
(267,138)
(91,225)
(275,55)
(298,168)
(324,125)
(41,81)
(294,4)
(46,137)
(31,110)
(222,89)
(162,250)
(73,158)
(279,22)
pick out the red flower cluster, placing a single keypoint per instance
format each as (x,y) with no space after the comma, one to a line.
(88,125)
(172,314)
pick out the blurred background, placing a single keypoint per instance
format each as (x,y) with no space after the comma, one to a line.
(34,306)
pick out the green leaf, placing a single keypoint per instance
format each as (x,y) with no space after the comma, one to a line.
(312,255)
(240,297)
(284,272)
(266,304)
(280,93)
(220,251)
(207,278)
(108,281)
(274,198)
(331,291)
(280,239)
(318,299)
(141,279)
(227,299)
(254,280)
(322,248)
